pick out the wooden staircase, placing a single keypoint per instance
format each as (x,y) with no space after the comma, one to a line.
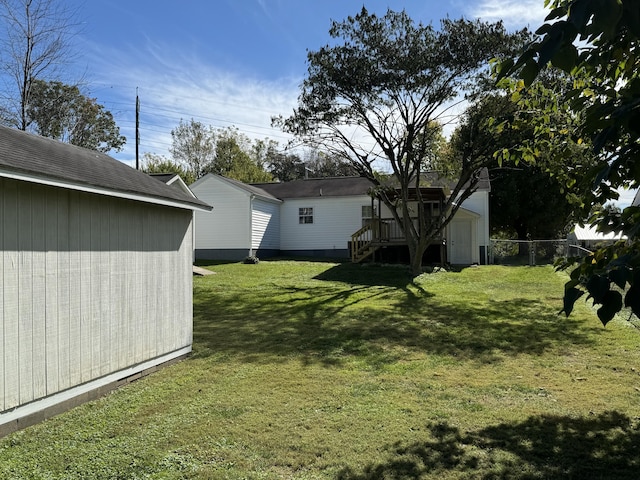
(362,243)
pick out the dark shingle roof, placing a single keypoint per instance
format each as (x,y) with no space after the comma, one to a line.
(163,177)
(350,186)
(254,189)
(43,158)
(318,187)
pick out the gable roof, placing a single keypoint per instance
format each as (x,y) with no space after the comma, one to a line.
(32,158)
(317,187)
(352,186)
(174,180)
(244,187)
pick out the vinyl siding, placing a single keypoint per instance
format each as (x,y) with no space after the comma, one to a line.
(90,285)
(227,226)
(334,220)
(265,225)
(478,203)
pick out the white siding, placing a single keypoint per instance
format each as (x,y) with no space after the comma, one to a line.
(334,220)
(227,225)
(478,204)
(90,285)
(265,225)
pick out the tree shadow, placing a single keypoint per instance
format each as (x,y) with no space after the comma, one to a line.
(541,447)
(368,274)
(326,323)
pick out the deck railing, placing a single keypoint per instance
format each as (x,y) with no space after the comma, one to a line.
(374,234)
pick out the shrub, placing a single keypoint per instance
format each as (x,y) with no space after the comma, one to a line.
(251,259)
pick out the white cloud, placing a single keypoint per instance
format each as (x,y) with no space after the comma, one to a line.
(626,197)
(514,13)
(173,86)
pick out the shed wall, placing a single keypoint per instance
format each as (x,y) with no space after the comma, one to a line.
(90,285)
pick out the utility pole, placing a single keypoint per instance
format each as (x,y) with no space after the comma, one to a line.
(137,130)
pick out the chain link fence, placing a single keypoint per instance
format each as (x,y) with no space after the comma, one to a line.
(527,252)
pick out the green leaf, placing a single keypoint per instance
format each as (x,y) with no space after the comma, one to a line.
(606,16)
(566,58)
(571,294)
(619,277)
(529,72)
(632,299)
(598,286)
(611,304)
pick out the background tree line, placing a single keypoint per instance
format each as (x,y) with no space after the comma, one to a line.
(198,149)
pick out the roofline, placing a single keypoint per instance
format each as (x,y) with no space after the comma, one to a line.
(249,193)
(330,196)
(178,178)
(102,191)
(467,211)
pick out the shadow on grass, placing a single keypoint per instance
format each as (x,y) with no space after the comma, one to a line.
(603,446)
(330,321)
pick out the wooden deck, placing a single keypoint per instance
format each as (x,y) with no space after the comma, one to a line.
(376,234)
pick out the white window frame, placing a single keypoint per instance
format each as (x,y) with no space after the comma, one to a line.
(305,215)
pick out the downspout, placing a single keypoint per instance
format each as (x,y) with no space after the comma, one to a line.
(251,224)
(193,236)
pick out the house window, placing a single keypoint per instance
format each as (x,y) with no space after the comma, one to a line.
(305,215)
(368,212)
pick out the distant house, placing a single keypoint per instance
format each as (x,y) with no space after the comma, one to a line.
(95,275)
(584,239)
(326,217)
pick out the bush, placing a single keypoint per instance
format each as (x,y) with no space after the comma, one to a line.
(251,259)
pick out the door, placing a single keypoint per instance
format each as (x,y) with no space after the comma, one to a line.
(460,242)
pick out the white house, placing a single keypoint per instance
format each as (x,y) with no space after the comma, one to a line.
(319,217)
(245,220)
(95,275)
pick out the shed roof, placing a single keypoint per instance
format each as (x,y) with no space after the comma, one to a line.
(29,157)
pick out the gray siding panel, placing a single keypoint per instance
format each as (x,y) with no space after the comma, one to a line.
(91,285)
(265,225)
(10,284)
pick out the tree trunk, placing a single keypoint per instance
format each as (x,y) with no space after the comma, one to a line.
(415,262)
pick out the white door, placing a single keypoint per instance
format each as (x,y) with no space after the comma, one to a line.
(460,242)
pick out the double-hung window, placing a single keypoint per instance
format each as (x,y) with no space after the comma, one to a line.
(368,212)
(305,215)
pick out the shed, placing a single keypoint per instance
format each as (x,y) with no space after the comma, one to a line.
(95,275)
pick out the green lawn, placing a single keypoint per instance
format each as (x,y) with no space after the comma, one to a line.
(329,370)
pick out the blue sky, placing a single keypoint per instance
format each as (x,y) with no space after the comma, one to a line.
(226,62)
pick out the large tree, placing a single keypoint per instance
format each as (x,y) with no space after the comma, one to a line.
(193,146)
(528,199)
(234,161)
(36,44)
(152,163)
(597,42)
(372,95)
(62,112)
(200,149)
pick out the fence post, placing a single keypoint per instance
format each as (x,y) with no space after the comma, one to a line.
(532,254)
